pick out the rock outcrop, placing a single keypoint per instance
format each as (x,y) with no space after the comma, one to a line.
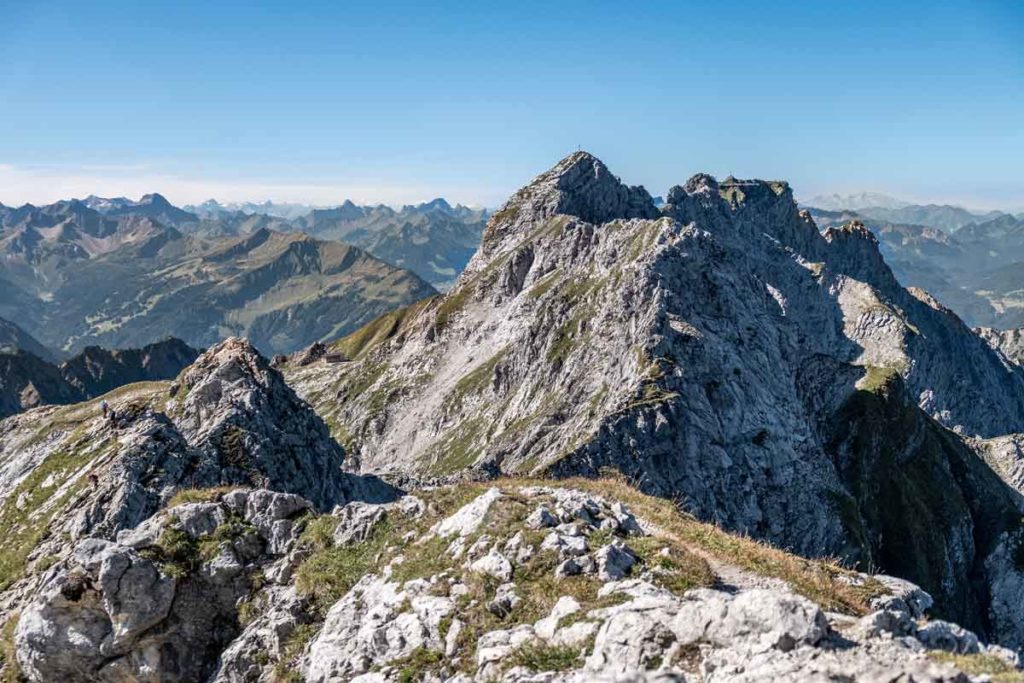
(161,602)
(712,350)
(1008,342)
(250,586)
(71,473)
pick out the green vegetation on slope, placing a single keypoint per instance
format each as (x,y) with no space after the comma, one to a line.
(381,329)
(26,513)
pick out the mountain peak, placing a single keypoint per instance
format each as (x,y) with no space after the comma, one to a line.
(579,185)
(155,199)
(437,204)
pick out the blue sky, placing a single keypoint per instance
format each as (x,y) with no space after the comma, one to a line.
(399,102)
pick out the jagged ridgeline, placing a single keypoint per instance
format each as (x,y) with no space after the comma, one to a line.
(71,472)
(719,351)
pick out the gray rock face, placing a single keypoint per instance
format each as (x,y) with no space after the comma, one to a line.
(251,427)
(371,626)
(165,603)
(356,522)
(158,605)
(614,561)
(720,351)
(233,421)
(580,185)
(1010,343)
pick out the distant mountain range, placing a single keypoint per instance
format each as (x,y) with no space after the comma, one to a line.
(29,379)
(978,271)
(434,239)
(153,206)
(211,208)
(75,276)
(883,208)
(859,200)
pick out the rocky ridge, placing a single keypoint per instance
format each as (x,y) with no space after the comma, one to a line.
(976,270)
(71,473)
(515,582)
(721,351)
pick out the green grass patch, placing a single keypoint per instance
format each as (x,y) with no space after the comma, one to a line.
(506,215)
(364,377)
(674,568)
(995,668)
(358,344)
(420,661)
(876,378)
(476,382)
(284,670)
(544,657)
(544,285)
(459,449)
(326,575)
(8,660)
(822,581)
(422,560)
(207,495)
(179,555)
(453,303)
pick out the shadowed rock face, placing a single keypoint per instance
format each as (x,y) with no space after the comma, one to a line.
(250,427)
(27,381)
(708,350)
(96,371)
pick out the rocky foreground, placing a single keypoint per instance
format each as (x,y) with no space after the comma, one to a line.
(519,581)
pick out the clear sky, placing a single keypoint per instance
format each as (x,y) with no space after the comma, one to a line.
(400,102)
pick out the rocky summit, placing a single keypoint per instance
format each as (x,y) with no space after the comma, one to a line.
(694,441)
